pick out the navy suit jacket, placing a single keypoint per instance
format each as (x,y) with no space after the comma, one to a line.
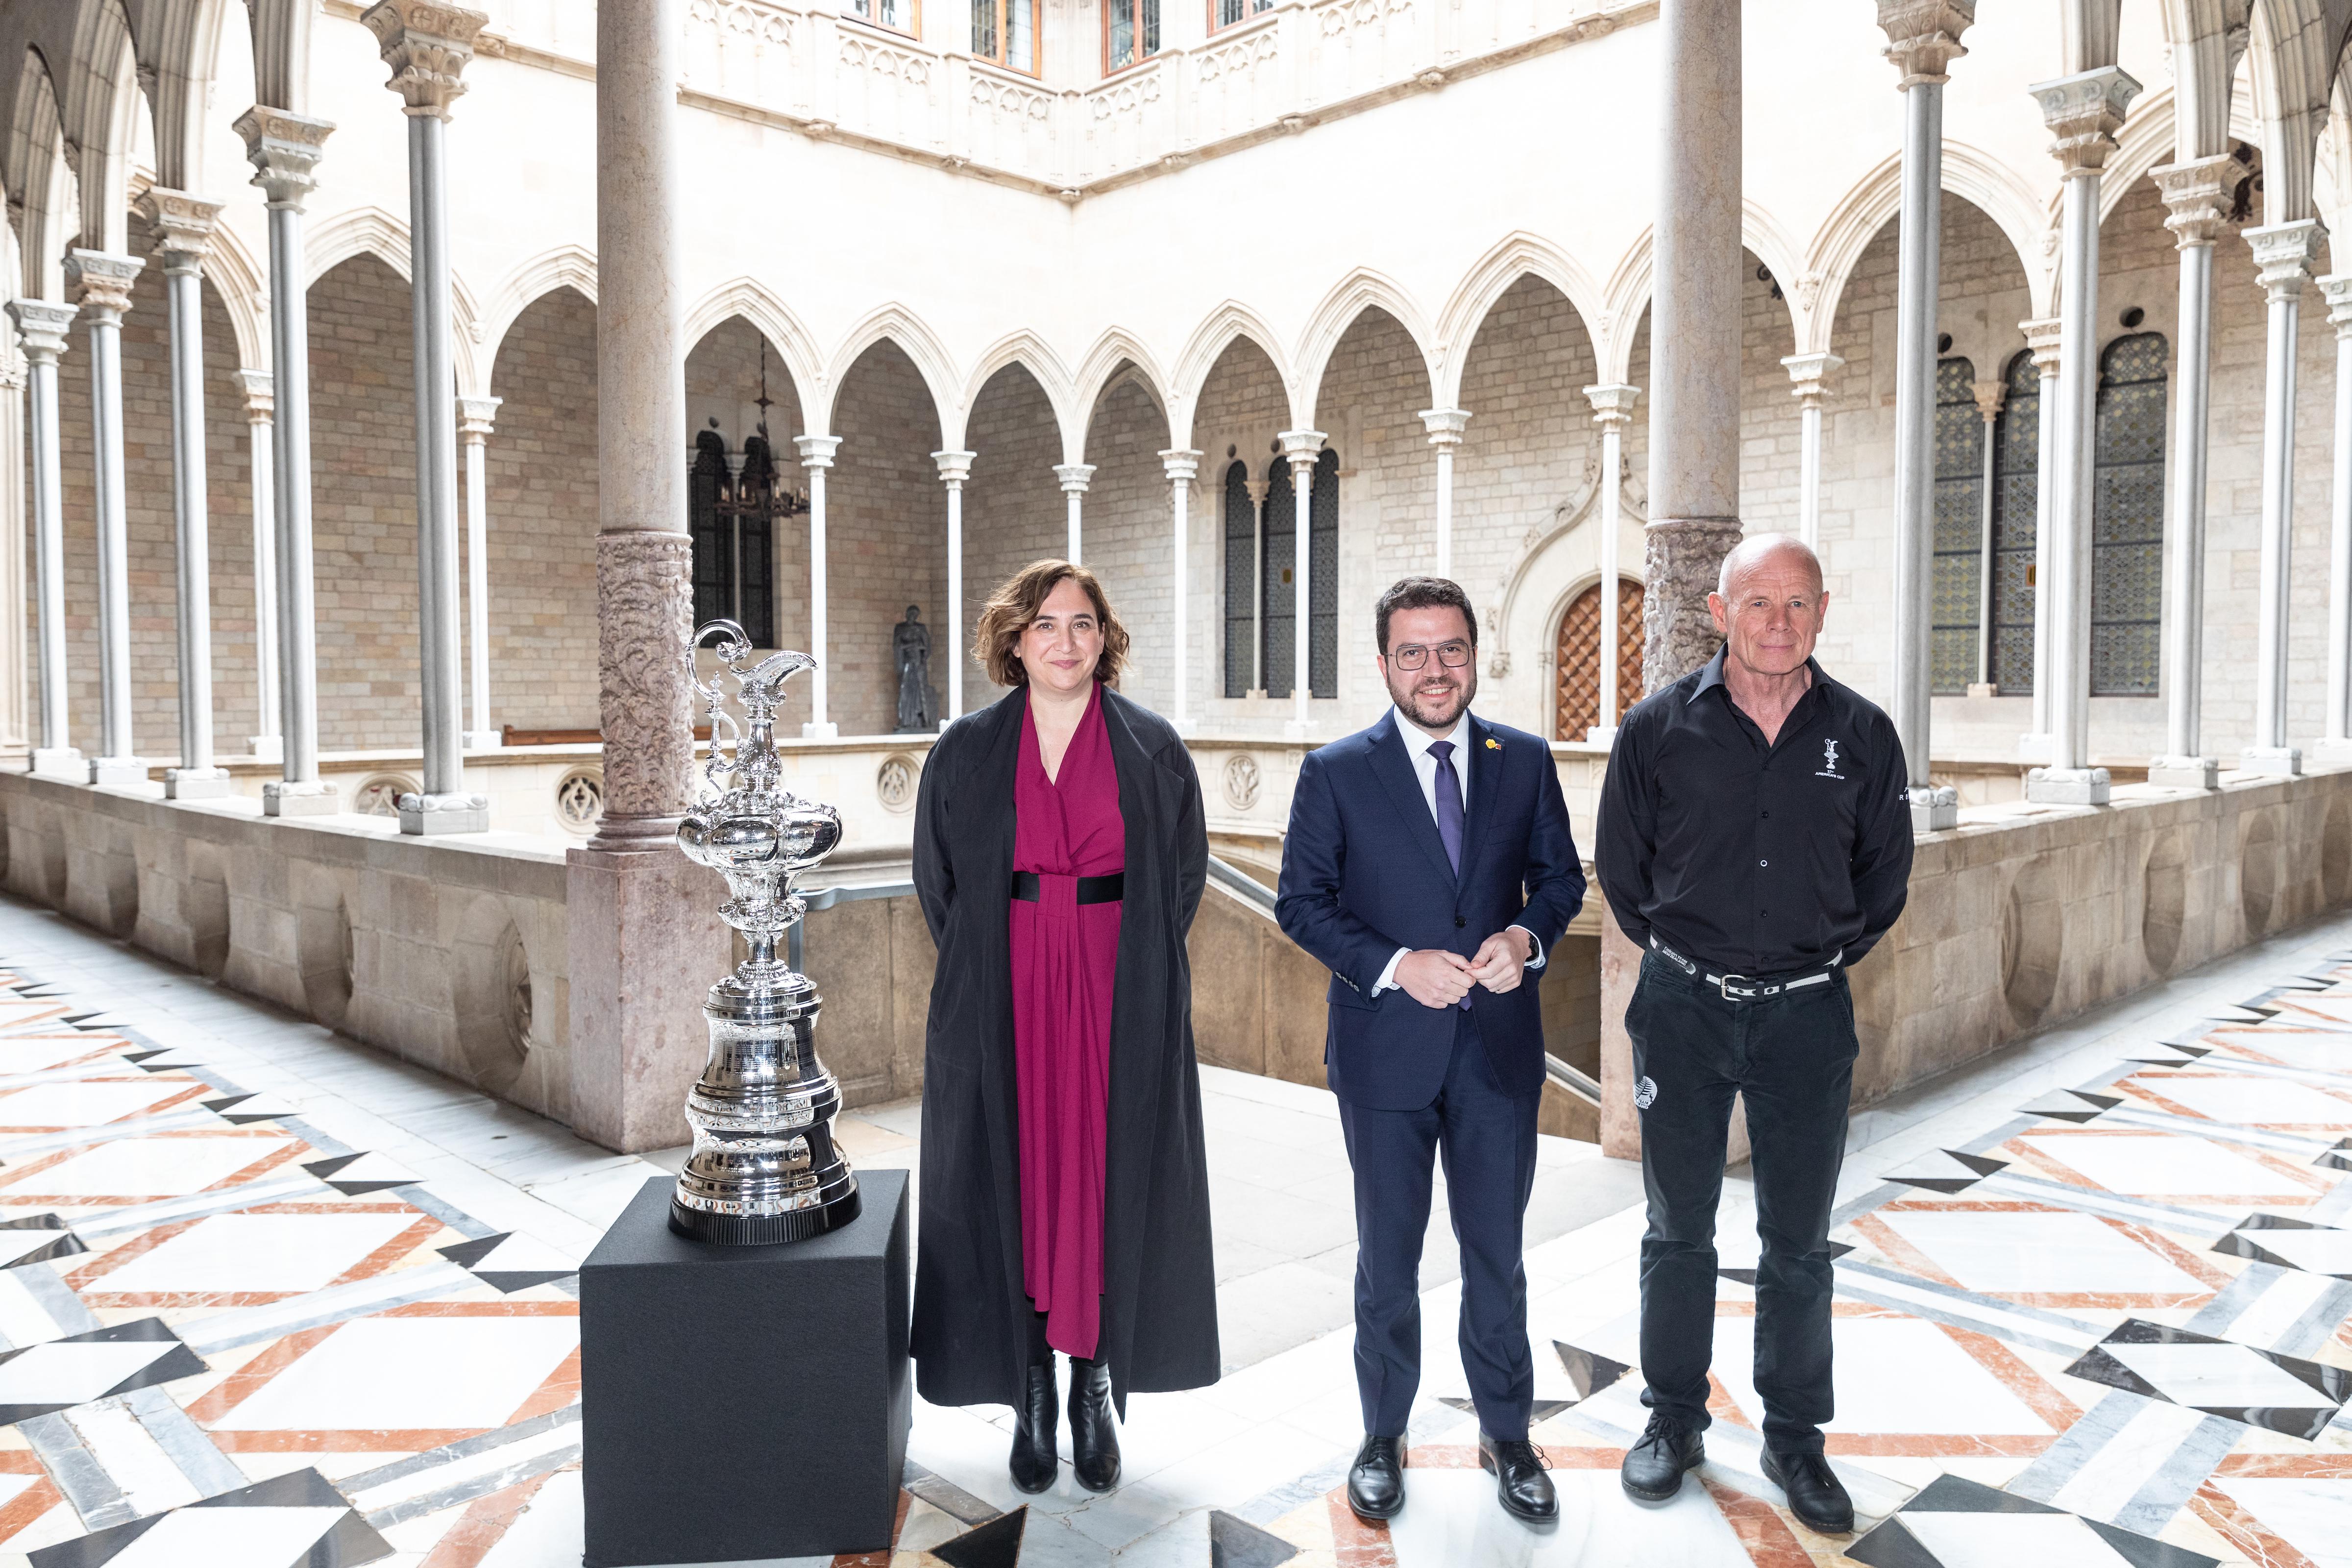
(1364,873)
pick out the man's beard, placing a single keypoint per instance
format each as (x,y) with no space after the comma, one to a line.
(1431,711)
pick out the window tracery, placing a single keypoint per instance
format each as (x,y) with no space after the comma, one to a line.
(2128,518)
(1958,528)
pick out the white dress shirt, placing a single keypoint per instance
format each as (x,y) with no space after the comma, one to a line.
(1417,742)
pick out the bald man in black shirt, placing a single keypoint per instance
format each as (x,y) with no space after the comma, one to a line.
(1755,835)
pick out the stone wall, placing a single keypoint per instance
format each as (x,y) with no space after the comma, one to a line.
(1013,510)
(722,382)
(1127,539)
(886,532)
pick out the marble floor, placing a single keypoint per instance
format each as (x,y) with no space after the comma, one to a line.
(268,1297)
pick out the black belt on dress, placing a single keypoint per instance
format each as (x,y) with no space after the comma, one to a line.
(1749,987)
(1091,890)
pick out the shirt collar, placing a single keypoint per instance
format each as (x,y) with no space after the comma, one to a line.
(1712,675)
(1418,741)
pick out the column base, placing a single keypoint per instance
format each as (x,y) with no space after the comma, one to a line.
(62,763)
(2332,750)
(268,748)
(828,731)
(2280,761)
(197,784)
(485,739)
(2067,786)
(1598,736)
(1934,810)
(1984,689)
(2037,746)
(2186,773)
(432,814)
(299,797)
(117,772)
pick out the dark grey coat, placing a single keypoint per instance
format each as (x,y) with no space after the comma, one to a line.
(1160,1300)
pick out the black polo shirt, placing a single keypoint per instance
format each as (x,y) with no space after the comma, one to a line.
(1756,858)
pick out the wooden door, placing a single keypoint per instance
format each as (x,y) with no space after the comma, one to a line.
(1577,685)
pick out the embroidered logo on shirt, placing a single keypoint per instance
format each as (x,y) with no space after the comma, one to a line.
(1645,1094)
(1828,769)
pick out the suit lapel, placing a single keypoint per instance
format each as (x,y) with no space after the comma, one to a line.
(1393,766)
(1485,789)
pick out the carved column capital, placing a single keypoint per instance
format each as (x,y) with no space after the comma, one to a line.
(1444,425)
(427,43)
(1612,406)
(1073,477)
(1922,36)
(954,468)
(2284,254)
(1302,447)
(260,395)
(1258,490)
(2336,289)
(2042,337)
(1988,395)
(1181,463)
(101,281)
(816,451)
(284,150)
(2084,113)
(41,328)
(183,226)
(1808,376)
(2197,193)
(477,417)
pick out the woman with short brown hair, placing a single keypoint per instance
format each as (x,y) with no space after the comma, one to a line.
(1060,852)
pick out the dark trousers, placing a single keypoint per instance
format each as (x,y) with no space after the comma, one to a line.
(1487,1137)
(1792,1058)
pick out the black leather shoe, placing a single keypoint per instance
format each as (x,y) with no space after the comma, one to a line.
(1376,1480)
(1815,1494)
(1093,1436)
(1654,1467)
(1519,1478)
(1035,1423)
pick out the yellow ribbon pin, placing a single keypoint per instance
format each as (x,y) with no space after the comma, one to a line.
(1493,744)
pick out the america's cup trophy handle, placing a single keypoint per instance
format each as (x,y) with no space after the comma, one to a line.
(764,1167)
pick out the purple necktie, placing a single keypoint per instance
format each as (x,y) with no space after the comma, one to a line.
(1449,803)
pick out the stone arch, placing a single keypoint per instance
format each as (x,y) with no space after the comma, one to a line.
(757,304)
(1519,255)
(1360,291)
(1118,354)
(372,231)
(914,340)
(1044,368)
(541,485)
(101,107)
(1129,543)
(568,267)
(730,366)
(1228,324)
(886,527)
(245,292)
(1013,509)
(39,178)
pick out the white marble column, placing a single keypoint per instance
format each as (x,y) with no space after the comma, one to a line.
(1445,427)
(183,226)
(1075,477)
(267,746)
(1808,376)
(1988,395)
(2042,341)
(1258,490)
(2333,744)
(1302,447)
(955,467)
(103,282)
(816,457)
(1181,463)
(15,735)
(1612,410)
(427,43)
(41,328)
(284,151)
(1923,39)
(2283,255)
(2198,194)
(2082,112)
(477,418)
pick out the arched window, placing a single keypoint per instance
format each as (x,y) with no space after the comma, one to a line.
(1959,528)
(1131,32)
(714,595)
(1279,592)
(1277,597)
(1241,583)
(2128,518)
(2016,473)
(1576,670)
(730,523)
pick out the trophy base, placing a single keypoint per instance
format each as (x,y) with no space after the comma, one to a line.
(762,1230)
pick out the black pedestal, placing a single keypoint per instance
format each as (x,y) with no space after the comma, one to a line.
(744,1402)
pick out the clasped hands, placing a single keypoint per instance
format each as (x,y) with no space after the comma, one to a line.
(1436,978)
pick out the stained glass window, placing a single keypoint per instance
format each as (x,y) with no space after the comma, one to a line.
(1958,528)
(2016,475)
(1131,32)
(1241,580)
(1005,32)
(2128,518)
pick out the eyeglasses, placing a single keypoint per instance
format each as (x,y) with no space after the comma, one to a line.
(1413,655)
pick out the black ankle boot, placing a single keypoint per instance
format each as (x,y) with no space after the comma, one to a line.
(1035,1421)
(1093,1439)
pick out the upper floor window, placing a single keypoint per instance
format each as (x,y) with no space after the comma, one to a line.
(1225,13)
(1131,32)
(1005,31)
(898,15)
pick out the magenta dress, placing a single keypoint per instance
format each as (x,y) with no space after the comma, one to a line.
(1064,956)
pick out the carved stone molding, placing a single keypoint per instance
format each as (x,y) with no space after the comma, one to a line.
(1808,376)
(1683,561)
(183,226)
(2336,289)
(427,43)
(42,326)
(1303,447)
(1612,407)
(2197,193)
(1181,463)
(954,468)
(260,395)
(284,149)
(2284,254)
(1922,36)
(1444,425)
(1988,395)
(2042,336)
(816,451)
(644,604)
(1075,476)
(2083,111)
(100,281)
(478,417)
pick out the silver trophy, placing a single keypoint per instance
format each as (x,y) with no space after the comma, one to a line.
(764,1168)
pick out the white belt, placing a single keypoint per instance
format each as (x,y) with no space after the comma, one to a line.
(1742,987)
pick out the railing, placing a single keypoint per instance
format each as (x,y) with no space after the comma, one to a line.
(1241,884)
(1573,1079)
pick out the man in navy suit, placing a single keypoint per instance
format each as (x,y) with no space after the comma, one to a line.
(1429,865)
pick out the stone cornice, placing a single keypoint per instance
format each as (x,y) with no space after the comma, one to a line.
(2283,255)
(1808,374)
(2043,337)
(1922,36)
(41,328)
(478,417)
(285,148)
(260,395)
(182,224)
(101,282)
(2197,193)
(427,43)
(2083,111)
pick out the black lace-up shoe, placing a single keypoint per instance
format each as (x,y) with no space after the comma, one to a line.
(1376,1480)
(1035,1424)
(1815,1494)
(1093,1436)
(1519,1479)
(1654,1467)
